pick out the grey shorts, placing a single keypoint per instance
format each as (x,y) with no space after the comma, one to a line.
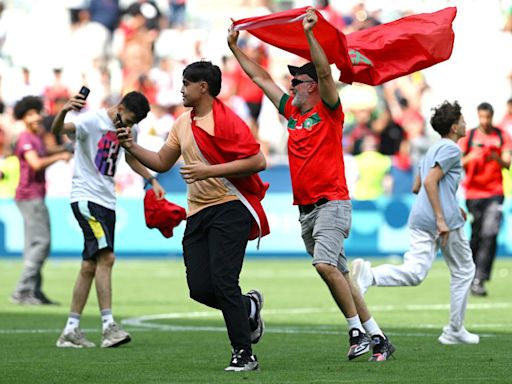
(324,231)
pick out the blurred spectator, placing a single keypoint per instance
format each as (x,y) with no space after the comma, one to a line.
(360,18)
(3,28)
(133,46)
(373,181)
(506,125)
(506,121)
(151,13)
(83,32)
(56,90)
(391,134)
(329,13)
(105,12)
(486,151)
(358,130)
(10,176)
(26,87)
(508,19)
(156,125)
(177,13)
(247,89)
(402,172)
(166,77)
(359,103)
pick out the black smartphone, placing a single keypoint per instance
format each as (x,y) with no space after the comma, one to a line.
(84,91)
(120,120)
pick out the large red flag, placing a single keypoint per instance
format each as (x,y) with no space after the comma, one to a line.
(284,30)
(371,56)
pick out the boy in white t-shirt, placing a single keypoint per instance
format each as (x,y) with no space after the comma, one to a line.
(93,201)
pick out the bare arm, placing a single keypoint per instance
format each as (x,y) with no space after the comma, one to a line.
(76,103)
(506,159)
(38,163)
(431,185)
(255,71)
(326,83)
(503,160)
(141,170)
(160,161)
(237,168)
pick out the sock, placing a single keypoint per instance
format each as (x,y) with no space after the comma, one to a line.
(355,322)
(106,318)
(72,323)
(372,327)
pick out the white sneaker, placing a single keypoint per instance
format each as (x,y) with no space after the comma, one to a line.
(462,336)
(361,272)
(114,336)
(75,339)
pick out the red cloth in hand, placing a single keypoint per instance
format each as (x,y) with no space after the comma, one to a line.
(162,214)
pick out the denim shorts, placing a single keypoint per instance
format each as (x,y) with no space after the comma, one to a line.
(324,231)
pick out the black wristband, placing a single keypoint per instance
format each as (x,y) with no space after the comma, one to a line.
(148,181)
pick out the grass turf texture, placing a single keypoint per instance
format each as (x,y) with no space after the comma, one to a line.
(306,339)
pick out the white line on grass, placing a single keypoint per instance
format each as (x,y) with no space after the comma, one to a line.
(144,322)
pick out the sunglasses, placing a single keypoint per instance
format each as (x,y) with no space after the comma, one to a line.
(296,82)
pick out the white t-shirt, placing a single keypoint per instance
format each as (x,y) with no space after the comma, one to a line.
(97,153)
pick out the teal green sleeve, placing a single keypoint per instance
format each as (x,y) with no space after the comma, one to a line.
(282,103)
(332,107)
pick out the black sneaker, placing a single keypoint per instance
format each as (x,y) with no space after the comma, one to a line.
(477,288)
(241,360)
(45,300)
(382,348)
(257,325)
(359,343)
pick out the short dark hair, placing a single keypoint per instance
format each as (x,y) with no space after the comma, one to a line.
(444,116)
(205,71)
(26,104)
(485,107)
(137,103)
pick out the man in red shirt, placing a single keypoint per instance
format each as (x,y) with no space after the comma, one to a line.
(487,150)
(315,124)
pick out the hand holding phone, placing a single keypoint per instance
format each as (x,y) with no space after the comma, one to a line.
(84,91)
(80,102)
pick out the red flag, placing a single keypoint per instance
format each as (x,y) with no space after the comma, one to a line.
(371,56)
(162,214)
(284,30)
(233,140)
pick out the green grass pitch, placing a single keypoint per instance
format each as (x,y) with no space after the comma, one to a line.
(176,340)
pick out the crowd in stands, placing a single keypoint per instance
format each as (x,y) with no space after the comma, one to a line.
(115,46)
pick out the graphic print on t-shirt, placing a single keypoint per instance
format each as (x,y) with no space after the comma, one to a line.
(106,157)
(307,124)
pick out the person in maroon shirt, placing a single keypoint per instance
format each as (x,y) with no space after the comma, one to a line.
(315,123)
(29,198)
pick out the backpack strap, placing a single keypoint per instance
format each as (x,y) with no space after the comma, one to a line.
(472,134)
(470,140)
(500,134)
